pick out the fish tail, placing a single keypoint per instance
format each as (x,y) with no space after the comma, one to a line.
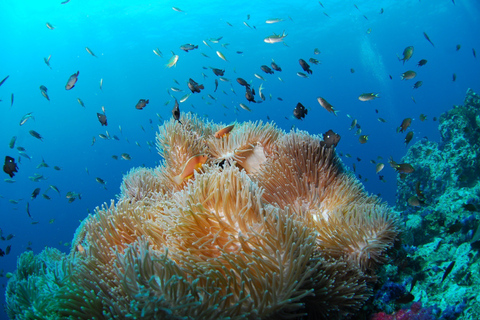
(177,179)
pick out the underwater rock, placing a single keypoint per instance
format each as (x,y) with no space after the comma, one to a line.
(442,227)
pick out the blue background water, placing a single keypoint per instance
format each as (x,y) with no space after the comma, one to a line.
(123,34)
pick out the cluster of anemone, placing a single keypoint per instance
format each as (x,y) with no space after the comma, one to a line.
(270,226)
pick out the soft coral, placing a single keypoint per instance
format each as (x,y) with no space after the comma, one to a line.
(416,312)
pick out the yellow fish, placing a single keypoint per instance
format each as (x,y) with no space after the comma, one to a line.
(193,164)
(221,56)
(172,62)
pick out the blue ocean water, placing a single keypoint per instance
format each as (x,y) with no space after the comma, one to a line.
(123,34)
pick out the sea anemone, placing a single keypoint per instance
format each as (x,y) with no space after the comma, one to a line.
(270,226)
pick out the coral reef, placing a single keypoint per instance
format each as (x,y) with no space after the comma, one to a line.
(271,226)
(438,260)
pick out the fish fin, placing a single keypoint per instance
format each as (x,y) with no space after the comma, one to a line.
(177,179)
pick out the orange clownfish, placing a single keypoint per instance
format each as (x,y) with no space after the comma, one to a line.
(224,131)
(194,163)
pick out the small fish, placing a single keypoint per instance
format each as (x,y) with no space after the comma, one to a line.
(158,52)
(192,164)
(35,193)
(81,102)
(275,20)
(10,167)
(90,52)
(473,52)
(401,167)
(50,26)
(54,188)
(194,87)
(352,70)
(266,69)
(172,61)
(72,81)
(259,76)
(245,107)
(448,270)
(102,118)
(363,139)
(327,106)
(242,82)
(274,38)
(35,134)
(379,167)
(47,61)
(249,94)
(275,66)
(305,66)
(218,72)
(28,209)
(12,142)
(185,97)
(417,84)
(457,47)
(368,96)
(142,103)
(300,111)
(428,38)
(314,61)
(408,137)
(178,9)
(454,77)
(382,120)
(25,118)
(221,56)
(3,81)
(407,54)
(126,156)
(408,75)
(405,124)
(188,46)
(101,83)
(224,131)
(100,180)
(57,168)
(330,139)
(302,75)
(65,2)
(11,100)
(216,85)
(176,111)
(422,62)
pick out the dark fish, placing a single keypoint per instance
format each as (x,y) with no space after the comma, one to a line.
(176,111)
(10,167)
(187,47)
(47,61)
(4,79)
(11,100)
(28,209)
(266,69)
(8,248)
(300,111)
(408,297)
(275,66)
(407,54)
(405,124)
(35,134)
(102,118)
(243,82)
(12,142)
(408,138)
(218,72)
(428,38)
(305,66)
(72,80)
(422,62)
(401,167)
(458,46)
(448,270)
(470,207)
(454,77)
(330,138)
(473,51)
(457,226)
(2,253)
(35,193)
(142,103)
(250,95)
(193,86)
(417,84)
(216,85)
